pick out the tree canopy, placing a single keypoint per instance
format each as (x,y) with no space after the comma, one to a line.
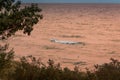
(14,17)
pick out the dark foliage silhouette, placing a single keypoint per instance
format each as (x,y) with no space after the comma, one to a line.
(13,17)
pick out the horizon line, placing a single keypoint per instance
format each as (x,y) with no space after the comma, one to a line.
(74,2)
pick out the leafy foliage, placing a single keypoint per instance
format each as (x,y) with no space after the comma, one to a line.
(27,69)
(13,17)
(6,61)
(108,71)
(31,68)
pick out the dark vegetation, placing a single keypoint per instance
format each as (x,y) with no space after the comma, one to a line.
(31,68)
(14,18)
